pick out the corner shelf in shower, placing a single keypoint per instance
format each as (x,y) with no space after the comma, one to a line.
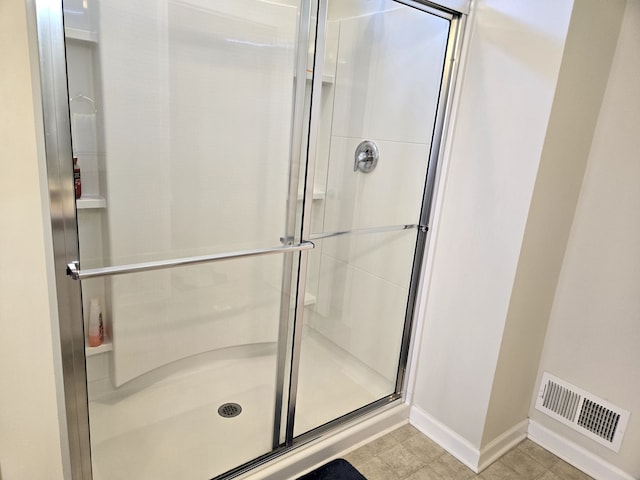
(317,195)
(81,35)
(326,79)
(309,299)
(107,346)
(91,201)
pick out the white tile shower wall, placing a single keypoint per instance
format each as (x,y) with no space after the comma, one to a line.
(387,84)
(92,255)
(388,76)
(83,110)
(322,156)
(197,125)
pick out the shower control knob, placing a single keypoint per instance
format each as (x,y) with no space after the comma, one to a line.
(366,157)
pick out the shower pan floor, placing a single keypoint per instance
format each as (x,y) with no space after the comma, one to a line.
(167,426)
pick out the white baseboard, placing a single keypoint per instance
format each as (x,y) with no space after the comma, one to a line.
(453,443)
(478,460)
(502,444)
(574,454)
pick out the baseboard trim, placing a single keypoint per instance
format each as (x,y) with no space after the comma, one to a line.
(452,442)
(574,454)
(502,444)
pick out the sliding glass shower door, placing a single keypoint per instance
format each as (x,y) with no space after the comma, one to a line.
(252,192)
(382,84)
(187,121)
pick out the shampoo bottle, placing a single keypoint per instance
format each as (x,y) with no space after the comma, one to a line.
(77,180)
(96,328)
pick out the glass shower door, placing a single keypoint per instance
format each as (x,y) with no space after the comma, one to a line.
(381,89)
(187,124)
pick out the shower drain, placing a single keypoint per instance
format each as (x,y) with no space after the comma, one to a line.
(229,410)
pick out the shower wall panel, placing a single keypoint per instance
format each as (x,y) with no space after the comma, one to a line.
(196,103)
(389,67)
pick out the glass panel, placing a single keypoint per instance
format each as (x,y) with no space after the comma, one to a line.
(383,69)
(180,344)
(182,121)
(187,120)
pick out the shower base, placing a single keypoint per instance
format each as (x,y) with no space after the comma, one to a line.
(166,425)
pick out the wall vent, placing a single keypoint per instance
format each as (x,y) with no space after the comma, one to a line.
(593,417)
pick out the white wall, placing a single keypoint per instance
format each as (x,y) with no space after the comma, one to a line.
(29,430)
(594,327)
(509,256)
(505,100)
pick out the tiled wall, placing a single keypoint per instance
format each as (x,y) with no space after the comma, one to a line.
(387,78)
(197,128)
(197,142)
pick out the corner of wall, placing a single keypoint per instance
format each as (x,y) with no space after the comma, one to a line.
(590,45)
(593,330)
(492,162)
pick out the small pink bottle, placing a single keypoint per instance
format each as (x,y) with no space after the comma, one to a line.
(96,328)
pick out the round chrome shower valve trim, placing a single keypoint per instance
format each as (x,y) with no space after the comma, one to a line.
(366,157)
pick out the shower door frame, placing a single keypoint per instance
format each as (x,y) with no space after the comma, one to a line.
(58,151)
(450,65)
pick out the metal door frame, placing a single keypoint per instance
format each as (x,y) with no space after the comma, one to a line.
(56,117)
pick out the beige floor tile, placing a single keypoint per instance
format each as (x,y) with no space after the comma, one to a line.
(402,461)
(423,447)
(499,471)
(383,443)
(567,472)
(403,433)
(539,454)
(425,473)
(406,454)
(376,469)
(451,469)
(523,464)
(360,456)
(550,476)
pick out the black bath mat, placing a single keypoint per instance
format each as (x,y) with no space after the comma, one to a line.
(338,469)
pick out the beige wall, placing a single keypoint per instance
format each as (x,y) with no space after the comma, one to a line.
(591,42)
(29,431)
(593,336)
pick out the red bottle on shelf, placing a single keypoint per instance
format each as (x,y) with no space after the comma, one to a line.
(77,182)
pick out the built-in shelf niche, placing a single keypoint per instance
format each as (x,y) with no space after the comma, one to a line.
(80,35)
(91,202)
(107,346)
(328,79)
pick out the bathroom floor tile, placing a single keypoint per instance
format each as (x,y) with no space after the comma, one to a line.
(402,461)
(523,464)
(407,454)
(376,469)
(539,454)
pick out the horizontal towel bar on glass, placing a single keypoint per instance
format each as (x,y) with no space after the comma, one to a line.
(366,231)
(77,274)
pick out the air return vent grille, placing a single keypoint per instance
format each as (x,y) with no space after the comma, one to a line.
(560,400)
(582,411)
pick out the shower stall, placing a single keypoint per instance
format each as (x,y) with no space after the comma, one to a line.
(256,179)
